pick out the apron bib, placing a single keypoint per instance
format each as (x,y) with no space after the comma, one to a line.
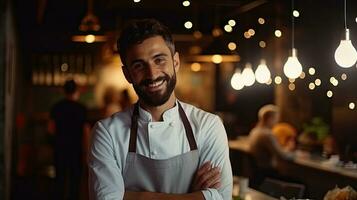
(173,175)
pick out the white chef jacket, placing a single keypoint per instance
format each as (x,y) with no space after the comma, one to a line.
(157,140)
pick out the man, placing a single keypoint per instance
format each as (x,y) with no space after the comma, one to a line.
(263,144)
(67,122)
(159,148)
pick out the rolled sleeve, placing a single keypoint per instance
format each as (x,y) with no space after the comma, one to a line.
(105,178)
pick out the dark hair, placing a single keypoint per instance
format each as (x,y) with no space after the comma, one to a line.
(70,86)
(136,31)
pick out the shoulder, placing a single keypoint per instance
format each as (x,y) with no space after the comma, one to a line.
(199,116)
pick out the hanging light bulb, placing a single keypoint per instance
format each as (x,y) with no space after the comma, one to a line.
(262,73)
(346,54)
(248,75)
(237,81)
(292,67)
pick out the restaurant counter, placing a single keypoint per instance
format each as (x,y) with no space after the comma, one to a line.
(314,172)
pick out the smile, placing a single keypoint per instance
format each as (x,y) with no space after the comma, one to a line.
(155,85)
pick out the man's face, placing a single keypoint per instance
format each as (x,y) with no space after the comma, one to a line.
(151,68)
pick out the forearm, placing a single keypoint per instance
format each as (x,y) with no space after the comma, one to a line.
(162,196)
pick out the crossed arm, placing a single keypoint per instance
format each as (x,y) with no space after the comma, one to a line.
(206,177)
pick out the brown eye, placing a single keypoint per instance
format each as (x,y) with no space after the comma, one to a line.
(160,60)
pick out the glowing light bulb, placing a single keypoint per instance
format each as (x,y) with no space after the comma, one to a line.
(195,67)
(237,81)
(248,75)
(188,25)
(89,38)
(217,59)
(292,67)
(186,3)
(232,22)
(346,54)
(329,94)
(351,105)
(262,73)
(228,28)
(232,46)
(277,80)
(291,86)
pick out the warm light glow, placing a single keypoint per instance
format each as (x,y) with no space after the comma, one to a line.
(188,25)
(292,67)
(262,44)
(351,105)
(333,81)
(228,28)
(136,1)
(346,54)
(232,22)
(262,73)
(247,35)
(312,71)
(278,33)
(197,34)
(261,20)
(248,75)
(302,75)
(296,13)
(232,46)
(195,67)
(251,32)
(329,94)
(216,32)
(312,86)
(89,38)
(291,80)
(237,81)
(64,67)
(186,3)
(217,59)
(291,86)
(317,82)
(343,76)
(277,80)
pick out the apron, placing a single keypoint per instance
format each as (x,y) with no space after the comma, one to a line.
(173,175)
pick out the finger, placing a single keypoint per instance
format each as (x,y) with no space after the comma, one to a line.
(216,185)
(204,177)
(204,168)
(212,180)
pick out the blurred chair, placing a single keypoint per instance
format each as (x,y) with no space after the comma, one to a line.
(278,188)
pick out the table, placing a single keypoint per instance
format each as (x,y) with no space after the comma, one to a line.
(313,172)
(256,195)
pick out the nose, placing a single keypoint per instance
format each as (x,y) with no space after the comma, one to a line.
(152,71)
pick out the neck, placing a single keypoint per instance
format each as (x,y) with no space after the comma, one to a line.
(157,111)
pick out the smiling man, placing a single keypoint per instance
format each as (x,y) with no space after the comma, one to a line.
(160,147)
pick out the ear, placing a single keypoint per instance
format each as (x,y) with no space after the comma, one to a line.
(126,73)
(176,60)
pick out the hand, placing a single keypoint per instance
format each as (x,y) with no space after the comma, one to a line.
(206,177)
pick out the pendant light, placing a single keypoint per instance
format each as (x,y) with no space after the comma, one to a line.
(237,81)
(89,25)
(345,54)
(292,68)
(248,75)
(262,73)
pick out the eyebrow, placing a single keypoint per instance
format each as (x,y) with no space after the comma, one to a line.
(141,60)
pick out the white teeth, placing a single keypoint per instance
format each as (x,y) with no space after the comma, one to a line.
(156,84)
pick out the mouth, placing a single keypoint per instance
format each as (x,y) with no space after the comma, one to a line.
(155,85)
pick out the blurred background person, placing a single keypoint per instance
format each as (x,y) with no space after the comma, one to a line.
(264,146)
(68,123)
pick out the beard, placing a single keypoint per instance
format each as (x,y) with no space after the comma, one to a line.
(156,98)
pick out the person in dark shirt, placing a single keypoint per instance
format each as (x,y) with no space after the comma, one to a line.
(68,119)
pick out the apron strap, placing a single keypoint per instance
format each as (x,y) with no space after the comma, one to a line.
(134,128)
(188,128)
